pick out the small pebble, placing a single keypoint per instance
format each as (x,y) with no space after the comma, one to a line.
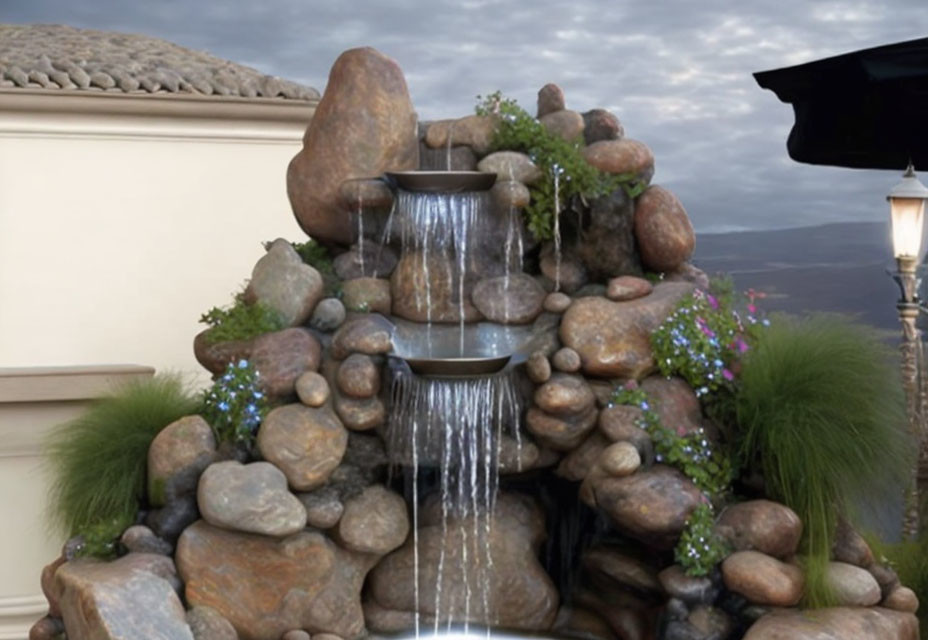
(902,599)
(557,302)
(566,360)
(140,539)
(312,389)
(539,369)
(620,459)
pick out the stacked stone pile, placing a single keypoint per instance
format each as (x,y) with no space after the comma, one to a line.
(307,535)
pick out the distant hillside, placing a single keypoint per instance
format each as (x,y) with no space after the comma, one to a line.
(836,267)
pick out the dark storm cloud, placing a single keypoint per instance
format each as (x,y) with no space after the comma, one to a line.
(678,74)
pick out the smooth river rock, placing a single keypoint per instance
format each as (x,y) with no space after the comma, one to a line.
(304,442)
(762,579)
(836,623)
(364,125)
(367,295)
(663,230)
(627,288)
(374,522)
(513,299)
(186,446)
(550,99)
(510,166)
(283,282)
(565,124)
(852,585)
(208,624)
(600,124)
(614,338)
(358,376)
(282,356)
(365,333)
(252,498)
(761,525)
(312,389)
(621,156)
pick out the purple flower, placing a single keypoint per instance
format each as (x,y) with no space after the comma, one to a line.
(728,375)
(713,302)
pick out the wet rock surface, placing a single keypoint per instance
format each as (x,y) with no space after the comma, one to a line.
(368,334)
(367,295)
(374,522)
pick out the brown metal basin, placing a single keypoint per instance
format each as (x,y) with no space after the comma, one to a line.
(442,181)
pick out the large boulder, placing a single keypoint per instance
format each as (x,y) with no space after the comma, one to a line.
(267,586)
(519,594)
(836,623)
(761,525)
(131,598)
(364,125)
(614,338)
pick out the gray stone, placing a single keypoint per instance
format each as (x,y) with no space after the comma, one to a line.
(183,448)
(367,295)
(538,367)
(605,239)
(378,261)
(208,624)
(565,124)
(474,131)
(564,394)
(850,547)
(567,360)
(358,376)
(140,539)
(560,432)
(509,194)
(568,275)
(620,459)
(851,585)
(323,507)
(512,299)
(691,589)
(252,498)
(283,282)
(510,166)
(328,315)
(557,302)
(600,124)
(374,522)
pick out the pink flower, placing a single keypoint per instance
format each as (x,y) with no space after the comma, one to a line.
(713,302)
(752,308)
(728,375)
(631,385)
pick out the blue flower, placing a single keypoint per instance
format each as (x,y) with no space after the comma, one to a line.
(223,406)
(243,364)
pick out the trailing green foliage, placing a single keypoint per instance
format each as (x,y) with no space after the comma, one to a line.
(101,540)
(317,256)
(98,460)
(691,453)
(235,405)
(558,159)
(819,407)
(241,321)
(700,548)
(909,559)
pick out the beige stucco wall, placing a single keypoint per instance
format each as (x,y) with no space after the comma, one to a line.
(122,219)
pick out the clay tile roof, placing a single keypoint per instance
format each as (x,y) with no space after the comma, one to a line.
(61,57)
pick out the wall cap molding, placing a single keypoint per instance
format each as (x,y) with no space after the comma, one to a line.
(56,384)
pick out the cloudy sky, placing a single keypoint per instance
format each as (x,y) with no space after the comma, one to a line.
(676,72)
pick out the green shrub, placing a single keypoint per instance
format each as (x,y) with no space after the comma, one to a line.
(98,460)
(519,131)
(819,407)
(235,405)
(700,548)
(241,321)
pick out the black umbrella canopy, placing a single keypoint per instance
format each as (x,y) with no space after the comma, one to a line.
(867,109)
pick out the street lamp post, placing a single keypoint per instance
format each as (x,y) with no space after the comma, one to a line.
(907,210)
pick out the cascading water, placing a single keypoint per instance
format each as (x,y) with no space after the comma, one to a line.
(455,425)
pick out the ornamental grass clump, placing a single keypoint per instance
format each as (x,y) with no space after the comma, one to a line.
(98,460)
(909,559)
(819,407)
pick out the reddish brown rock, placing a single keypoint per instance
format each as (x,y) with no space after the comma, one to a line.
(676,404)
(836,623)
(282,356)
(600,124)
(614,338)
(621,156)
(367,295)
(358,376)
(763,579)
(50,587)
(306,582)
(131,597)
(565,124)
(364,125)
(901,599)
(47,628)
(283,282)
(216,356)
(850,546)
(561,433)
(185,445)
(365,193)
(374,522)
(550,99)
(650,505)
(761,525)
(305,443)
(627,288)
(557,302)
(368,334)
(663,230)
(520,595)
(474,131)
